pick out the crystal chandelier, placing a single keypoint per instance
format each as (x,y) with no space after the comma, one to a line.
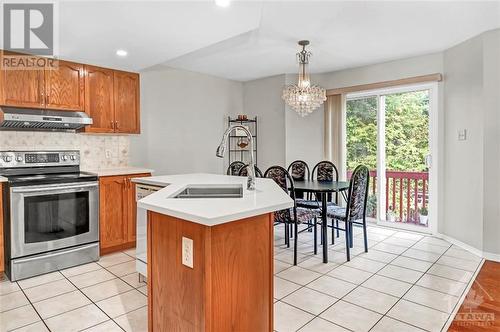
(303,97)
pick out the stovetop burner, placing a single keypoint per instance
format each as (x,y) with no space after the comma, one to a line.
(23,168)
(37,179)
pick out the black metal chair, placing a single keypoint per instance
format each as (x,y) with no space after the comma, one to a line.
(244,172)
(295,215)
(234,168)
(323,171)
(355,212)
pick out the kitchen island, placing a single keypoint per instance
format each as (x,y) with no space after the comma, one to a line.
(210,260)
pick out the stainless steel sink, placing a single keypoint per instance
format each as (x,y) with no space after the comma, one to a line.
(215,191)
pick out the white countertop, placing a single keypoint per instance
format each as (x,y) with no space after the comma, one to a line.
(3,179)
(119,171)
(267,197)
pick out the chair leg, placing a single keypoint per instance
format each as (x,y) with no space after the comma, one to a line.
(351,231)
(287,236)
(295,243)
(347,244)
(337,224)
(333,232)
(315,229)
(321,237)
(365,235)
(291,230)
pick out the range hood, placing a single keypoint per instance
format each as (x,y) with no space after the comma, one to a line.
(12,118)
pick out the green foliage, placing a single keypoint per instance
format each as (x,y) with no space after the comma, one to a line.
(407,126)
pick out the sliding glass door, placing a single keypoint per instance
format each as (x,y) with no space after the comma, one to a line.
(390,132)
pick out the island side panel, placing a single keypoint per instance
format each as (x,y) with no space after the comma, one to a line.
(242,275)
(230,287)
(175,291)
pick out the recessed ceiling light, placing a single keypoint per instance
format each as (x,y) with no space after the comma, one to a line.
(222,3)
(121,52)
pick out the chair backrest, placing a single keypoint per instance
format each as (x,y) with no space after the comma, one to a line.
(285,181)
(235,167)
(325,171)
(299,170)
(244,171)
(358,193)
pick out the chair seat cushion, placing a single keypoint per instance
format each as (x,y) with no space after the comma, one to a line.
(304,214)
(336,212)
(310,204)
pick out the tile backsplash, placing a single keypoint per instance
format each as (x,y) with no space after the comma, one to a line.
(96,151)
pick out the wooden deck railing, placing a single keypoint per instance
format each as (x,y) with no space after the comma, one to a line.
(405,194)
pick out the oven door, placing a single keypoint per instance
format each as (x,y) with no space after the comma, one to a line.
(50,217)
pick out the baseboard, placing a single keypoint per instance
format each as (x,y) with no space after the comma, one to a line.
(465,246)
(491,257)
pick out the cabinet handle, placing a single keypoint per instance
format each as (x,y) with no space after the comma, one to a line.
(42,97)
(117,125)
(112,124)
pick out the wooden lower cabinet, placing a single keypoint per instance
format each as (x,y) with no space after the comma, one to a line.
(117,212)
(2,261)
(229,288)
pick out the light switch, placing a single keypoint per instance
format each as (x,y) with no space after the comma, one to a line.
(187,252)
(462,134)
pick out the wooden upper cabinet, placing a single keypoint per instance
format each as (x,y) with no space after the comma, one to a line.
(113,211)
(99,99)
(126,91)
(65,87)
(22,88)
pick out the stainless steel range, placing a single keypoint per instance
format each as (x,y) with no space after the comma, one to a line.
(51,212)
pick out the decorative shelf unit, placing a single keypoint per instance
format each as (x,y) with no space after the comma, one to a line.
(235,152)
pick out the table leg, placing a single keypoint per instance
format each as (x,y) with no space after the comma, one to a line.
(324,229)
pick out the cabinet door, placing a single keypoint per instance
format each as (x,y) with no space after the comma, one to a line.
(132,210)
(99,99)
(22,88)
(65,87)
(126,90)
(112,211)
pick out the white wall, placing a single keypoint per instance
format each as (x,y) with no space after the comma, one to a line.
(491,95)
(183,116)
(463,160)
(262,98)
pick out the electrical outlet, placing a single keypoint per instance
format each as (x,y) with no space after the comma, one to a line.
(108,154)
(187,252)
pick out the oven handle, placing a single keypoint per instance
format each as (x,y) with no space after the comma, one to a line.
(53,188)
(55,254)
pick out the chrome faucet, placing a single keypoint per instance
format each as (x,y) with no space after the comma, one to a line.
(222,148)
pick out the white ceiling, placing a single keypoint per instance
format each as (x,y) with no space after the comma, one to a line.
(252,39)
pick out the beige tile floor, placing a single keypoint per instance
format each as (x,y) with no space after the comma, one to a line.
(406,282)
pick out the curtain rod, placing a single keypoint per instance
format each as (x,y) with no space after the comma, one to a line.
(437,77)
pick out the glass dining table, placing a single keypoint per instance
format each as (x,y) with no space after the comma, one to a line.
(322,189)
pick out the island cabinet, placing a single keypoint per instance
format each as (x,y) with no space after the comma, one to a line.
(117,212)
(2,262)
(230,284)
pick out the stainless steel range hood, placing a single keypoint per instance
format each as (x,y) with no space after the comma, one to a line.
(12,118)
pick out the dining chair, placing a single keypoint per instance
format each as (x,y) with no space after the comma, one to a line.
(294,215)
(234,168)
(355,211)
(244,172)
(323,171)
